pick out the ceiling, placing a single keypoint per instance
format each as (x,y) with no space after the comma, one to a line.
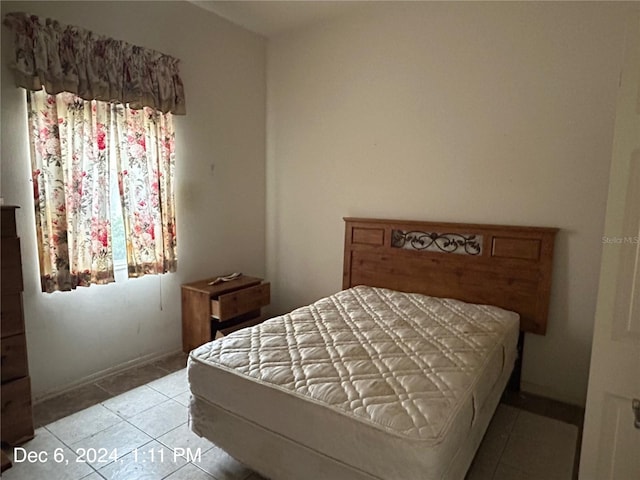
(271,18)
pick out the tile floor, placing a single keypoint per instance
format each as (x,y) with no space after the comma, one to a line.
(520,445)
(142,414)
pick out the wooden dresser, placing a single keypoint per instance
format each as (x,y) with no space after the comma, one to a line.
(17,419)
(223,307)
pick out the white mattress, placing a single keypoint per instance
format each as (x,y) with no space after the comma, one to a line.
(386,382)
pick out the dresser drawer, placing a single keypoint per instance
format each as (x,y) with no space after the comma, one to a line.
(11,279)
(8,222)
(11,319)
(10,252)
(14,357)
(16,424)
(240,302)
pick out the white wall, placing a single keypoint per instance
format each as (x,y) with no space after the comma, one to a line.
(73,336)
(456,111)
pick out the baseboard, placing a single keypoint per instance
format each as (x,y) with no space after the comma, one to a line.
(547,392)
(138,362)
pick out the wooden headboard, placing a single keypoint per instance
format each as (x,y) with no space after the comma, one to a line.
(506,266)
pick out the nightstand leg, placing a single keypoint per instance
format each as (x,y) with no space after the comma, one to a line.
(196,319)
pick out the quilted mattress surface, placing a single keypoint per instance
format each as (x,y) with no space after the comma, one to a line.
(364,376)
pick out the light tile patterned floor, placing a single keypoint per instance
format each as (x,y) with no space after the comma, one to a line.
(146,425)
(520,445)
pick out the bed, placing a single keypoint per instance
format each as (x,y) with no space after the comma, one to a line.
(396,376)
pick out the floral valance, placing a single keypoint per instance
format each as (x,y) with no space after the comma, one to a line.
(64,58)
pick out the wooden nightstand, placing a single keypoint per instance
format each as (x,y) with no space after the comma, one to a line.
(223,307)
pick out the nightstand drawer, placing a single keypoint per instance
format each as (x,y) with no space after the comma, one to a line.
(211,306)
(240,302)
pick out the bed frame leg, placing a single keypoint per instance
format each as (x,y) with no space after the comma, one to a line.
(514,380)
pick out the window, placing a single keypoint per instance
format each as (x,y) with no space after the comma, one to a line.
(118,238)
(102,170)
(103,190)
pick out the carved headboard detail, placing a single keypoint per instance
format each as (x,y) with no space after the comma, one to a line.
(506,266)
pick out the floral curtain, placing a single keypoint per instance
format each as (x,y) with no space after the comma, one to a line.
(64,58)
(70,168)
(145,162)
(74,145)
